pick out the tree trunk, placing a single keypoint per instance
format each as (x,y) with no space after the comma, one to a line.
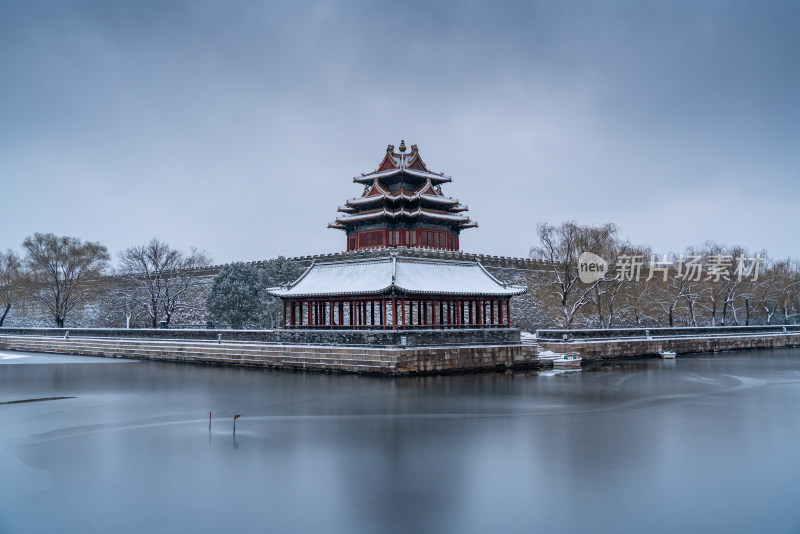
(747,312)
(3,317)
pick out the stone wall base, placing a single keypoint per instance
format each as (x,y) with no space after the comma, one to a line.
(626,348)
(411,337)
(346,359)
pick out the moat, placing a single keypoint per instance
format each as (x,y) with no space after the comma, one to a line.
(699,444)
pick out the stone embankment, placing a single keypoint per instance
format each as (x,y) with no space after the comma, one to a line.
(382,360)
(383,353)
(320,336)
(628,343)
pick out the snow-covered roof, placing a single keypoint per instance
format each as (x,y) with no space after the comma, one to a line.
(399,274)
(401,196)
(402,212)
(433,177)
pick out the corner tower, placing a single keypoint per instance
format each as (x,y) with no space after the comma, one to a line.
(402,205)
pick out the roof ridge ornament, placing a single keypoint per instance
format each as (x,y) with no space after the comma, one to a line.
(402,147)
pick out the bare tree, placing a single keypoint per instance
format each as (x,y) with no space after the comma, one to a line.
(639,303)
(123,304)
(58,267)
(560,247)
(783,284)
(611,296)
(10,281)
(164,280)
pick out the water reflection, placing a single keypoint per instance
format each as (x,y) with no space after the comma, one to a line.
(709,439)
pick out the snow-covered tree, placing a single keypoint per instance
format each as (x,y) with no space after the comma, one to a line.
(58,268)
(10,281)
(164,280)
(276,272)
(559,248)
(237,296)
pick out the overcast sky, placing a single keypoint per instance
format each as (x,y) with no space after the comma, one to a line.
(237,127)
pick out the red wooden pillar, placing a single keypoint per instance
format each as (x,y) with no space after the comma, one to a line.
(433,310)
(352,315)
(403,312)
(363,305)
(508,312)
(491,313)
(480,311)
(394,313)
(460,314)
(341,313)
(500,312)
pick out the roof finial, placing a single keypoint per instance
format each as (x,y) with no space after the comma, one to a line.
(402,147)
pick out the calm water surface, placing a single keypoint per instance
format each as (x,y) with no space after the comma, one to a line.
(700,444)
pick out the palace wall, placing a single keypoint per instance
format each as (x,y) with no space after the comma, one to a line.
(321,336)
(101,307)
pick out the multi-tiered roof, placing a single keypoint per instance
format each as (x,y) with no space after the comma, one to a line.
(405,200)
(402,206)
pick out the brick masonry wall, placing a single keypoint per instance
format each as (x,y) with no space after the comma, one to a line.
(93,312)
(347,359)
(626,348)
(492,336)
(578,334)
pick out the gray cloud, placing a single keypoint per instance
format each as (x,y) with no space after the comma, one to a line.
(237,127)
